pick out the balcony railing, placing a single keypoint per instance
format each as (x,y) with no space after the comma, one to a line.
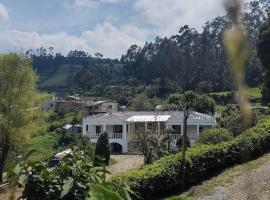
(94,136)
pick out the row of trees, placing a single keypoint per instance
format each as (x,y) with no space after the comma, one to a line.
(194,60)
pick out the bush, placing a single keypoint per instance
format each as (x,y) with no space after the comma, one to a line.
(163,177)
(179,143)
(102,151)
(215,136)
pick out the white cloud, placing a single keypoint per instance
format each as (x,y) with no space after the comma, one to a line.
(169,15)
(104,38)
(89,3)
(4,16)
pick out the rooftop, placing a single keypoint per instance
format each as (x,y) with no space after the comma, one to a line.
(149,116)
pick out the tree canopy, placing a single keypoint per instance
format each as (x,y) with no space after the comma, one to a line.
(19,98)
(263,45)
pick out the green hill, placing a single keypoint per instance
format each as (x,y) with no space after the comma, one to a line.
(61,79)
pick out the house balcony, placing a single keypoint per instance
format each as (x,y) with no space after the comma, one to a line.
(113,137)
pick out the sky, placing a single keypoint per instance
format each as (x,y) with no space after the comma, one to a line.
(106,26)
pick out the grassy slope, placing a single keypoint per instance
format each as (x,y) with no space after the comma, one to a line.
(253,92)
(45,146)
(62,77)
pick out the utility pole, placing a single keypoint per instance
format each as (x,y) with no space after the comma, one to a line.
(184,136)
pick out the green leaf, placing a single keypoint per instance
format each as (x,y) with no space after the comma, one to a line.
(17,170)
(22,180)
(182,197)
(99,192)
(29,153)
(68,183)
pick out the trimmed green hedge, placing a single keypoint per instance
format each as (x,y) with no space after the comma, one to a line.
(163,177)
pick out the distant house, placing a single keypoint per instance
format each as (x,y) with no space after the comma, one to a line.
(123,127)
(50,104)
(100,107)
(87,105)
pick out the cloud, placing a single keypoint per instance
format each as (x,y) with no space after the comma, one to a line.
(169,15)
(93,4)
(104,38)
(4,16)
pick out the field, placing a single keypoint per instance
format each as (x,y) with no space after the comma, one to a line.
(61,78)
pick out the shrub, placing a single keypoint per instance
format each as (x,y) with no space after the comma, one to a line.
(163,177)
(215,136)
(102,151)
(179,143)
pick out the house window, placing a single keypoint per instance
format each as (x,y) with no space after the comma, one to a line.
(87,128)
(200,129)
(98,129)
(127,128)
(177,129)
(118,129)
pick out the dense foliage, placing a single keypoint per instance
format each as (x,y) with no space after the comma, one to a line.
(196,102)
(263,45)
(74,178)
(215,136)
(163,177)
(102,151)
(152,145)
(196,61)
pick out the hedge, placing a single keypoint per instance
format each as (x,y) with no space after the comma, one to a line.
(163,177)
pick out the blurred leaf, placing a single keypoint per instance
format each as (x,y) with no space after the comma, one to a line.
(22,180)
(68,183)
(99,192)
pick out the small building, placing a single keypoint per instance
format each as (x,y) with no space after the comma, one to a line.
(50,104)
(100,107)
(72,129)
(123,127)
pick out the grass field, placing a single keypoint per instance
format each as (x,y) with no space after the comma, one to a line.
(253,92)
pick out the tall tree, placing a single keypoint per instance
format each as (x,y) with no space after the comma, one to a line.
(18,102)
(263,45)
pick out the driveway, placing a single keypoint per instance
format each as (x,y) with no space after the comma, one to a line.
(125,163)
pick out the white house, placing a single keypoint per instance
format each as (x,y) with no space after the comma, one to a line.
(123,127)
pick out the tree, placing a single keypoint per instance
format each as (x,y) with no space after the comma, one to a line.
(231,119)
(18,101)
(215,136)
(152,145)
(142,103)
(196,102)
(263,46)
(102,150)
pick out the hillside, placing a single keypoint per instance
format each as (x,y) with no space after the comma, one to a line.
(57,73)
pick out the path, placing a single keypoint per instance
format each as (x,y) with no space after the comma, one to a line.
(125,163)
(253,183)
